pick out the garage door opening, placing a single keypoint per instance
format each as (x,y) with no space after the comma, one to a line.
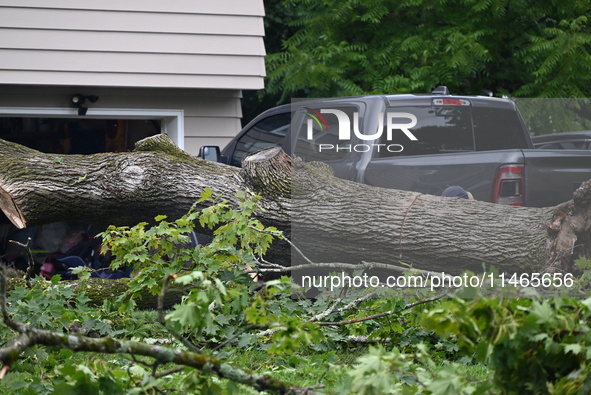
(106,130)
(62,131)
(77,135)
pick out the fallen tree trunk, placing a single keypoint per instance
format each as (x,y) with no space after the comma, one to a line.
(332,220)
(103,189)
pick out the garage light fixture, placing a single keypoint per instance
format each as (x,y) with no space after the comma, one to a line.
(79,100)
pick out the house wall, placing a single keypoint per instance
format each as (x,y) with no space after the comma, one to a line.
(133,43)
(190,55)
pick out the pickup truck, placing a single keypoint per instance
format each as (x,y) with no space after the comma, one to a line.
(421,143)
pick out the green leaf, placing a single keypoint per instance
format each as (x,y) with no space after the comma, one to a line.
(206,194)
(448,383)
(187,315)
(543,312)
(573,348)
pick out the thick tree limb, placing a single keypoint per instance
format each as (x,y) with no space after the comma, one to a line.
(32,336)
(103,189)
(330,219)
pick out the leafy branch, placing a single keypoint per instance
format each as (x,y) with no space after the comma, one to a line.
(387,313)
(30,336)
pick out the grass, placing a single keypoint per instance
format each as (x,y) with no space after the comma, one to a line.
(304,369)
(326,368)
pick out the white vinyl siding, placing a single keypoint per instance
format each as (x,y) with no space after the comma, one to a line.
(133,43)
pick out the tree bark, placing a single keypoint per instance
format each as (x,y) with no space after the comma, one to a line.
(103,189)
(331,219)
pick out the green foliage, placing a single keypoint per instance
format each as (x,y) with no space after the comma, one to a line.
(440,346)
(217,305)
(392,372)
(533,346)
(48,304)
(544,116)
(511,47)
(77,379)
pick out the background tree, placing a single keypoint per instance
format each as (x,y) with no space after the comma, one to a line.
(509,47)
(278,28)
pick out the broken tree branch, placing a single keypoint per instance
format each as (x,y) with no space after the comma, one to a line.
(30,336)
(386,313)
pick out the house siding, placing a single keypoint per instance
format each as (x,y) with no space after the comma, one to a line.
(195,56)
(133,43)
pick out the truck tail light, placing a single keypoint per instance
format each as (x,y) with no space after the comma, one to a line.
(509,186)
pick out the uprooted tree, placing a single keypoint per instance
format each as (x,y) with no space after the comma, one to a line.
(330,219)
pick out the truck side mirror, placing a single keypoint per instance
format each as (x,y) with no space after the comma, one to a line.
(210,152)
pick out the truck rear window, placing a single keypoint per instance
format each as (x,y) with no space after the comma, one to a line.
(449,129)
(439,129)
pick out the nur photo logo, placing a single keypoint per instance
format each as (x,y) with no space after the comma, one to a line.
(402,121)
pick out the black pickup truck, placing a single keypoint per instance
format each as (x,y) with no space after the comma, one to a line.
(421,143)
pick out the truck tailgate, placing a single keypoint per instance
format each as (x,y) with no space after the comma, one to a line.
(473,171)
(551,176)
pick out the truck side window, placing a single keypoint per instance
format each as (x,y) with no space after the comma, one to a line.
(318,137)
(268,132)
